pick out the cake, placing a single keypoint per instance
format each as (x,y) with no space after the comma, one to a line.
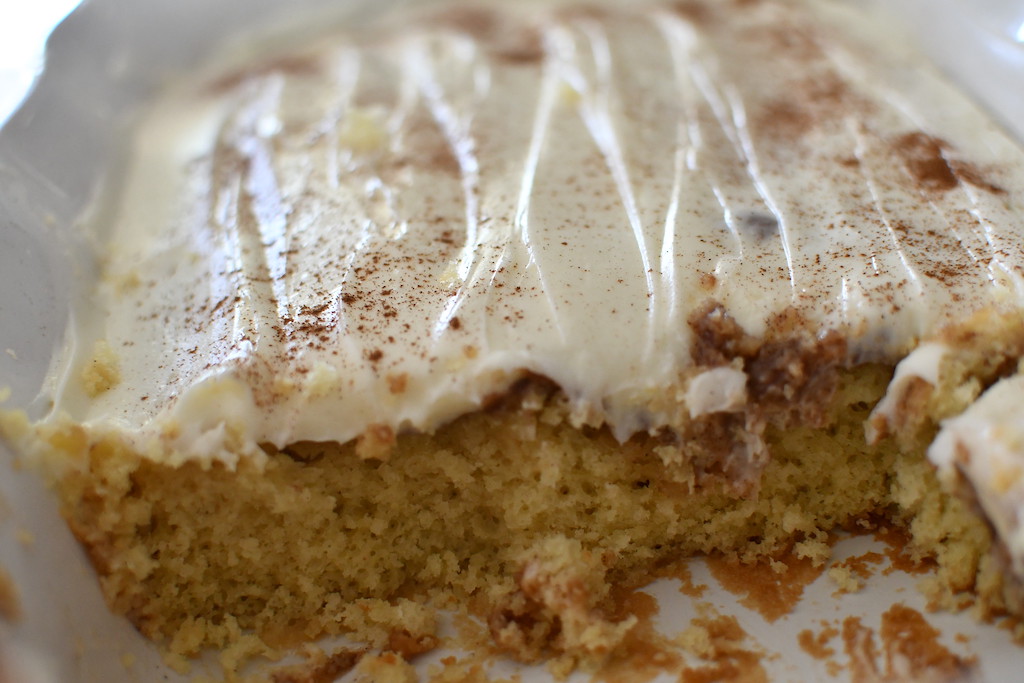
(502,308)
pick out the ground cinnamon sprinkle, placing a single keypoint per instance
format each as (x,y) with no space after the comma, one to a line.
(924,159)
(929,160)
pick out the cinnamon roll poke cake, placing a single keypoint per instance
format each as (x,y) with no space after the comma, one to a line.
(501,307)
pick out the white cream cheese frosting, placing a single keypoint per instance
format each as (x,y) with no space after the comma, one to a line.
(923,364)
(385,231)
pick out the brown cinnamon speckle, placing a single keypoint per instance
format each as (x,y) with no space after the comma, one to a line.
(924,158)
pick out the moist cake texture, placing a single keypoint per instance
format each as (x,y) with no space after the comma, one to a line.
(502,308)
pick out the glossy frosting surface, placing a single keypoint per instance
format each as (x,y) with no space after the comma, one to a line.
(388,230)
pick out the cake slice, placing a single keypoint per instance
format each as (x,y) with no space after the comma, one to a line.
(502,308)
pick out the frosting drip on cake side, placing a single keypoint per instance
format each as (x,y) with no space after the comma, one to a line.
(381,233)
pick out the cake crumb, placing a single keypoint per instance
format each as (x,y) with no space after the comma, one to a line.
(845,579)
(177,663)
(102,372)
(901,559)
(376,443)
(244,647)
(409,645)
(320,667)
(851,574)
(646,651)
(382,624)
(560,587)
(387,667)
(454,670)
(720,640)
